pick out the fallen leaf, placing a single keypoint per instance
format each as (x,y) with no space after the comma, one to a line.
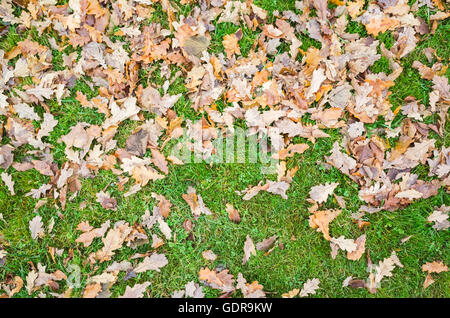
(360,248)
(9,182)
(209,255)
(344,244)
(320,193)
(196,45)
(137,143)
(36,227)
(92,290)
(321,220)
(233,214)
(428,281)
(137,291)
(434,267)
(291,293)
(153,262)
(266,244)
(249,249)
(310,287)
(231,45)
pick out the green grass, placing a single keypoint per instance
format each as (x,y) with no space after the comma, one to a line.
(308,256)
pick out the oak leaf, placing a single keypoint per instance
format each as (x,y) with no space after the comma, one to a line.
(434,267)
(310,287)
(231,45)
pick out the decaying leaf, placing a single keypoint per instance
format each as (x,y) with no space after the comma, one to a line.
(360,248)
(137,142)
(320,193)
(231,45)
(36,227)
(153,262)
(137,291)
(196,45)
(209,255)
(249,249)
(9,182)
(92,290)
(344,244)
(106,201)
(233,214)
(196,202)
(266,244)
(310,287)
(291,293)
(96,100)
(434,267)
(113,241)
(428,281)
(321,220)
(89,233)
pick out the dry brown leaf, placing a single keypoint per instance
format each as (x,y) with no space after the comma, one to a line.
(195,202)
(434,267)
(18,284)
(8,181)
(164,204)
(428,281)
(291,293)
(218,280)
(209,276)
(231,45)
(165,229)
(89,233)
(137,143)
(344,244)
(321,220)
(106,201)
(209,255)
(290,151)
(159,160)
(92,290)
(233,214)
(249,249)
(153,262)
(310,287)
(266,244)
(320,193)
(360,248)
(377,25)
(112,241)
(36,227)
(137,291)
(196,45)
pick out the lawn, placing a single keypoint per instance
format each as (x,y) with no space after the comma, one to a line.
(301,253)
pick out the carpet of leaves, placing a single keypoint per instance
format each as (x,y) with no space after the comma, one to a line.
(350,97)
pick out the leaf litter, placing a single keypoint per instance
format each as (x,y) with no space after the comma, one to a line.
(270,91)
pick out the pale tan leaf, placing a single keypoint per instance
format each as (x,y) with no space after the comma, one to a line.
(233,214)
(209,255)
(320,193)
(434,267)
(428,281)
(8,181)
(310,287)
(360,248)
(344,244)
(92,290)
(137,291)
(36,227)
(153,262)
(249,249)
(266,244)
